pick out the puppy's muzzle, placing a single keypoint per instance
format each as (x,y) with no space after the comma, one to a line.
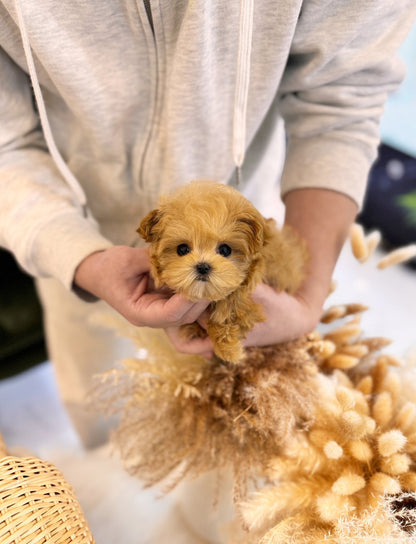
(203,269)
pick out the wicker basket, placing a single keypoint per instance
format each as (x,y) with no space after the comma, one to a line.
(37,505)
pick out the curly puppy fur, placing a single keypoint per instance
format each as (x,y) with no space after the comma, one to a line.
(209,242)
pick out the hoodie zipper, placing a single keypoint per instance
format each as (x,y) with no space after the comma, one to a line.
(241,90)
(148,8)
(245,39)
(153,51)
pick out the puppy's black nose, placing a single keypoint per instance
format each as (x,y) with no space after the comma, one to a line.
(203,269)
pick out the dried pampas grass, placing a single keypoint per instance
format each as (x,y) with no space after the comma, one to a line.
(350,477)
(185,415)
(325,421)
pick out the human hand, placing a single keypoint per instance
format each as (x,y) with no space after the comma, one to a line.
(287,317)
(120,276)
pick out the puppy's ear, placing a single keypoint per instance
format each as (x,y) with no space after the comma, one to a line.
(149,228)
(253,227)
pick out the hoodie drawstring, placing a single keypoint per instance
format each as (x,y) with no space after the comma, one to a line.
(242,83)
(47,132)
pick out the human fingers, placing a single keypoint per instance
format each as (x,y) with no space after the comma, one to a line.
(195,311)
(159,309)
(197,346)
(113,274)
(287,317)
(203,319)
(208,354)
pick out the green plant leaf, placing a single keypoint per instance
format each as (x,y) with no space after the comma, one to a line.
(408,203)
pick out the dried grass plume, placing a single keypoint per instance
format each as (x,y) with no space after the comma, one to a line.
(185,415)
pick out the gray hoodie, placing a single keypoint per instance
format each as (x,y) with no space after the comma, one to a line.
(136,97)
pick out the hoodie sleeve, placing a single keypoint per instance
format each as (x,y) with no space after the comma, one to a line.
(341,67)
(40,220)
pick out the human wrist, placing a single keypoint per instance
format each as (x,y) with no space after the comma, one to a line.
(85,278)
(322,218)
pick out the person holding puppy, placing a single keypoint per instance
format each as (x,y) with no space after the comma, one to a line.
(132,99)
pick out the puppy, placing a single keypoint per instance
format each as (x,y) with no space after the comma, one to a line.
(209,242)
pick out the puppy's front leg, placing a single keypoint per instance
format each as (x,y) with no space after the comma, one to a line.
(192,330)
(227,343)
(229,323)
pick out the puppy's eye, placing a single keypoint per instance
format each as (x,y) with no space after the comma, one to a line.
(224,250)
(183,249)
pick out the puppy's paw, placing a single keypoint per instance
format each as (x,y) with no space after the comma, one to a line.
(192,330)
(229,350)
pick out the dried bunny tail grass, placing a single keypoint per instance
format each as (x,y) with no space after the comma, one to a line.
(266,508)
(358,243)
(391,442)
(345,333)
(355,350)
(373,240)
(342,361)
(382,409)
(332,287)
(376,343)
(341,310)
(344,348)
(391,360)
(351,463)
(186,415)
(406,417)
(397,256)
(363,246)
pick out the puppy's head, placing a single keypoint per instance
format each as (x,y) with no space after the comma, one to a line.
(206,240)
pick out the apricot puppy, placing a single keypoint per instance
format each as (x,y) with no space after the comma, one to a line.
(209,242)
